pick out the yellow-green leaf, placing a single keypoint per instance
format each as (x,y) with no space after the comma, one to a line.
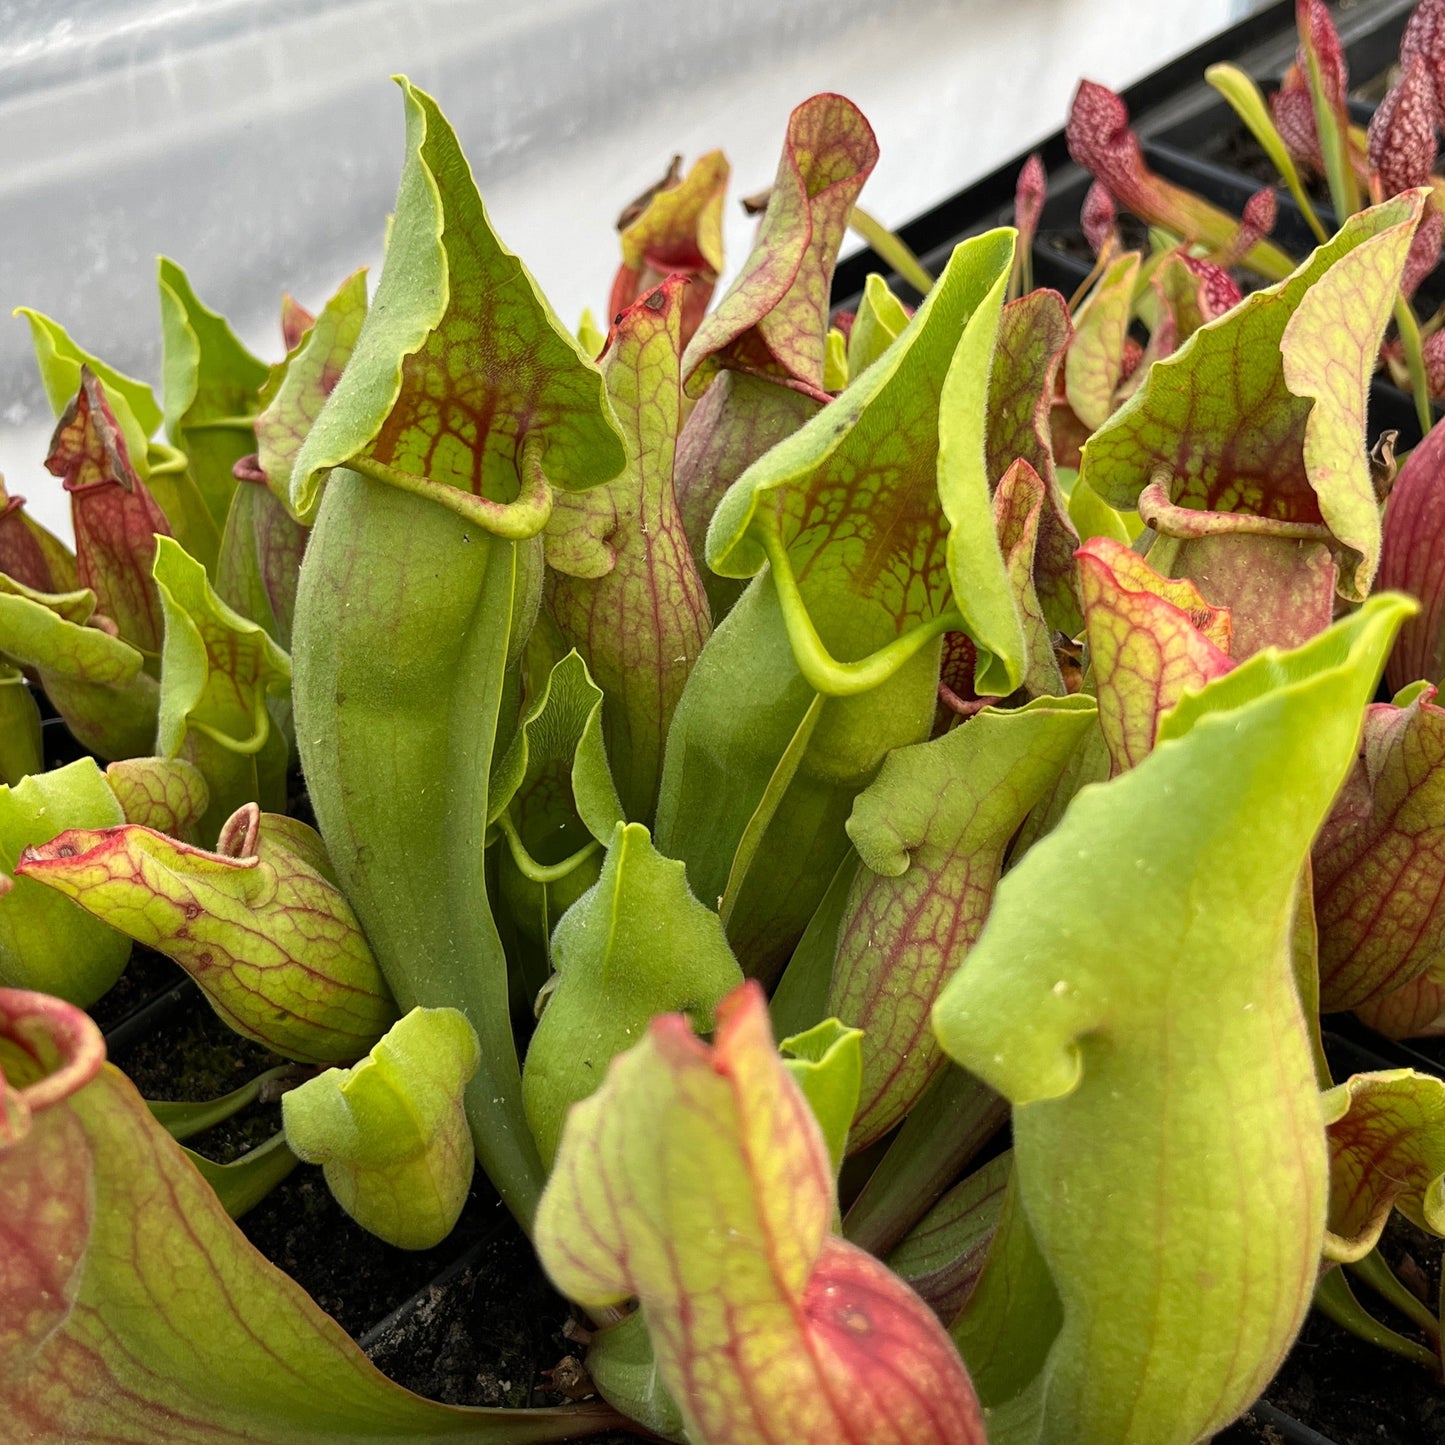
(697,1180)
(1134,996)
(218,672)
(273,944)
(46,942)
(390,1132)
(139,1312)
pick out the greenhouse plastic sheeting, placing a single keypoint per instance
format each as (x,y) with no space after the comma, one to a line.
(258,142)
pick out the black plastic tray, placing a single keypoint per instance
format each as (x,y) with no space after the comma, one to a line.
(1174,113)
(1177,115)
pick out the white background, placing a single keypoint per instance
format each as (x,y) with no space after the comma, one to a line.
(258,142)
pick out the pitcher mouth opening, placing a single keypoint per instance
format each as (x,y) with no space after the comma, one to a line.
(49,1049)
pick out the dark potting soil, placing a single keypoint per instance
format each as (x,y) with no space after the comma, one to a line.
(146,975)
(1236,150)
(487,1331)
(472,1321)
(193,1057)
(358,1279)
(1354,1393)
(1071,242)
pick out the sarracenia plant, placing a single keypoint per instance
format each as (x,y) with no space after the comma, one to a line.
(971,697)
(1305,130)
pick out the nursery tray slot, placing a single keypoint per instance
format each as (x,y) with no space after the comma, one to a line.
(1289,1430)
(1393,1053)
(1173,101)
(469,1257)
(148,1017)
(1360,1058)
(1194,113)
(1230,189)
